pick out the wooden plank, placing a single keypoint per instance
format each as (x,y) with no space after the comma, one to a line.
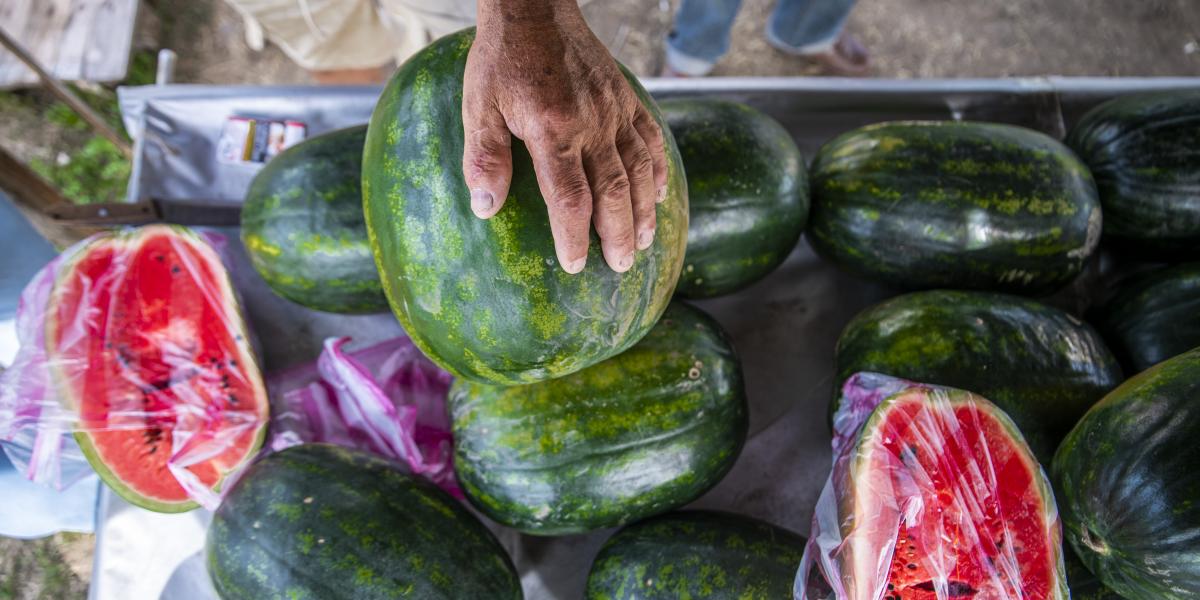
(73,41)
(14,17)
(106,56)
(26,187)
(105,214)
(44,34)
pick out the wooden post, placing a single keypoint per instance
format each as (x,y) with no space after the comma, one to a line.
(66,95)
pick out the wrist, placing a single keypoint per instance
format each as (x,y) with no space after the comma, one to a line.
(502,15)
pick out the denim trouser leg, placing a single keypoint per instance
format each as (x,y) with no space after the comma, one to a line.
(807,26)
(700,35)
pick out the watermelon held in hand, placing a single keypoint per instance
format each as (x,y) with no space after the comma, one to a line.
(145,341)
(486,298)
(321,522)
(1129,486)
(747,194)
(303,227)
(934,495)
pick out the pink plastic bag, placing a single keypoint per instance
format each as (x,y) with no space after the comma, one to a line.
(934,495)
(387,399)
(134,340)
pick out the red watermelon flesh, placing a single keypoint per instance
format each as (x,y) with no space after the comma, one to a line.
(942,499)
(146,341)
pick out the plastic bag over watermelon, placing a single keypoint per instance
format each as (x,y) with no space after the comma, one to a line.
(134,357)
(387,399)
(934,495)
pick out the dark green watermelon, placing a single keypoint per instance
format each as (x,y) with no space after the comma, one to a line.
(1144,151)
(303,227)
(697,554)
(486,299)
(1153,316)
(641,433)
(322,522)
(952,204)
(1042,366)
(747,194)
(1129,487)
(1084,585)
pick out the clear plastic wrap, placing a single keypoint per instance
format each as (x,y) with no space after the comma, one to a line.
(44,454)
(933,495)
(387,399)
(134,357)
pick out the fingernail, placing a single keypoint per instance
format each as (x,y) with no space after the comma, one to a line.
(662,194)
(576,265)
(645,238)
(625,262)
(481,201)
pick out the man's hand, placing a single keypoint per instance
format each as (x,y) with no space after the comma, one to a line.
(537,71)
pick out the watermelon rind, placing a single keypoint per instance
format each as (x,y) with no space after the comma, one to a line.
(1128,484)
(696,554)
(954,204)
(866,442)
(641,433)
(319,521)
(127,238)
(303,228)
(747,193)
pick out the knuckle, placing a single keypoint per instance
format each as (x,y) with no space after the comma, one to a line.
(487,151)
(571,196)
(482,164)
(641,166)
(646,218)
(644,211)
(649,129)
(617,237)
(613,185)
(554,121)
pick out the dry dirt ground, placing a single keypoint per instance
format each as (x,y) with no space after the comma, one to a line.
(908,38)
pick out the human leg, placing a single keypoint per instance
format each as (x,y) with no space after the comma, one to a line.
(700,35)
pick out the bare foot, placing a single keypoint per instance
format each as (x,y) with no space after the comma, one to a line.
(350,76)
(847,58)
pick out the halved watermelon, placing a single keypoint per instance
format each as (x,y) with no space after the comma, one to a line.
(145,340)
(938,497)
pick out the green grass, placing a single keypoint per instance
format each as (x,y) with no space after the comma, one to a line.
(37,569)
(85,167)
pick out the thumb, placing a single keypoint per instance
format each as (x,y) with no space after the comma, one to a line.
(487,159)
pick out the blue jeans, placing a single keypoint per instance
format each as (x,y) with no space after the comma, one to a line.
(701,33)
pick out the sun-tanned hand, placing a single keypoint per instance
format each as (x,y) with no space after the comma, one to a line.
(538,73)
